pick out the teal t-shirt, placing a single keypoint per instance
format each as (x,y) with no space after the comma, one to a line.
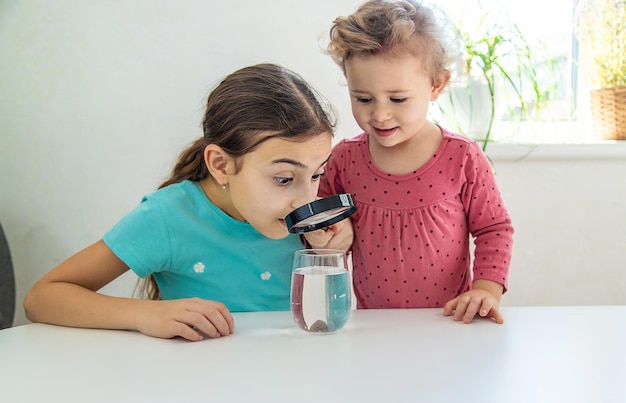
(194,249)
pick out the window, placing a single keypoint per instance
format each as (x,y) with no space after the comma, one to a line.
(547,27)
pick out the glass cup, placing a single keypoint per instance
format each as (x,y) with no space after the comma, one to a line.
(320,290)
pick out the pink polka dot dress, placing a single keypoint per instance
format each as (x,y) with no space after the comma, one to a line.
(412,231)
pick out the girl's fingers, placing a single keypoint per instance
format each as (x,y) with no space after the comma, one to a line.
(471,309)
(494,312)
(448,308)
(187,332)
(318,238)
(212,318)
(461,307)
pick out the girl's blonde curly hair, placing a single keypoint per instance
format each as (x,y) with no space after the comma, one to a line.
(393,28)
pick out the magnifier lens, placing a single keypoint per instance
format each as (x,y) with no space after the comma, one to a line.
(320,213)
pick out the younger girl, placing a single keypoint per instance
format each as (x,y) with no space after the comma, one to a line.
(213,237)
(420,189)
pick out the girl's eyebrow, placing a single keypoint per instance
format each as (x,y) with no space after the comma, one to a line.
(358,92)
(295,163)
(396,91)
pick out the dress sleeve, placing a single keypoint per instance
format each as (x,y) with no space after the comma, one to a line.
(331,182)
(141,239)
(488,219)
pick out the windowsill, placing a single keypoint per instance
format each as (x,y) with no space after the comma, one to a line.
(604,149)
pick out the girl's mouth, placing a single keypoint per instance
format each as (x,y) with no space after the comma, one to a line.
(385,132)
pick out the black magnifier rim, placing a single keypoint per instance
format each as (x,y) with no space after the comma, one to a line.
(343,202)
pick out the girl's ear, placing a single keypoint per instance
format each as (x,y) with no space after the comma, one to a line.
(218,162)
(439,84)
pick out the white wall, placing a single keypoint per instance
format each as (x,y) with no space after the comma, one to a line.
(567,204)
(97,98)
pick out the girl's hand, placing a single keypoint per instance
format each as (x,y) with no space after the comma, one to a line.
(336,236)
(192,319)
(474,302)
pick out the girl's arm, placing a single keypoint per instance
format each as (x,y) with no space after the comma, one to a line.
(68,296)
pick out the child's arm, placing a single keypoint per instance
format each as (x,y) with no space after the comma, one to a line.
(68,296)
(336,236)
(490,224)
(483,299)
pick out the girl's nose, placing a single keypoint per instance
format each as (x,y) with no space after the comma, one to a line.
(306,195)
(380,113)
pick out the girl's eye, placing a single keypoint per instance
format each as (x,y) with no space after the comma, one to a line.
(317,177)
(363,100)
(398,100)
(282,181)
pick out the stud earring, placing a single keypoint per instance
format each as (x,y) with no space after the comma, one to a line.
(224,186)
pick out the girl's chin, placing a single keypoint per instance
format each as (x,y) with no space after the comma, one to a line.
(277,231)
(386,142)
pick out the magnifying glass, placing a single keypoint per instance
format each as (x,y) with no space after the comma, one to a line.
(320,213)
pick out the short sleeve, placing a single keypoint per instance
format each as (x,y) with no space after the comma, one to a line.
(141,239)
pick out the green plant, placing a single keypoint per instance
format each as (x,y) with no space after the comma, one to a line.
(496,53)
(600,27)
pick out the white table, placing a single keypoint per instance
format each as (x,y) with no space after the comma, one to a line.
(547,354)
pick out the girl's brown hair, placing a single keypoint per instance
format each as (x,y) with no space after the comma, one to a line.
(248,107)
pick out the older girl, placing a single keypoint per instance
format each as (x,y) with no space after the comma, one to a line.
(212,239)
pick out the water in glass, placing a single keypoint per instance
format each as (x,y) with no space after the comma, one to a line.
(320,290)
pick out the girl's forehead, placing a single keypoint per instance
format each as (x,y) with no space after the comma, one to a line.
(310,152)
(388,61)
(367,72)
